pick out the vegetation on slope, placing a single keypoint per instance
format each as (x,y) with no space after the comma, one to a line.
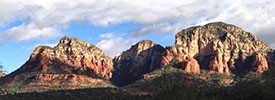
(79,94)
(171,84)
(254,89)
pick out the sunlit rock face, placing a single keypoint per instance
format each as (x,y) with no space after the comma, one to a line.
(69,65)
(71,55)
(219,47)
(141,58)
(191,65)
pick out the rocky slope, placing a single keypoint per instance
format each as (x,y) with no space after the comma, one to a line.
(72,61)
(71,56)
(143,57)
(220,47)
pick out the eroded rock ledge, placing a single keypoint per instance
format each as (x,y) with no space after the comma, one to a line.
(218,47)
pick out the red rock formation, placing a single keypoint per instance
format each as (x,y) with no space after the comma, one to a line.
(68,62)
(71,55)
(222,43)
(191,65)
(261,63)
(168,57)
(219,64)
(219,47)
(141,58)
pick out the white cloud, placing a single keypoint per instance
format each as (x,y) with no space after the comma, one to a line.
(31,48)
(163,28)
(7,11)
(255,16)
(157,16)
(28,32)
(113,45)
(60,13)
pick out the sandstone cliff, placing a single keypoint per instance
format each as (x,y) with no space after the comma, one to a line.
(141,58)
(219,47)
(73,61)
(71,56)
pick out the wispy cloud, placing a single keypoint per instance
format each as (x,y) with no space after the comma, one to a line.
(41,44)
(29,32)
(163,28)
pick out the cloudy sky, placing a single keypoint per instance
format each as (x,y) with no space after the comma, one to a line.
(114,25)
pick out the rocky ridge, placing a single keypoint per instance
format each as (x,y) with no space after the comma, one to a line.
(73,61)
(141,58)
(71,56)
(219,47)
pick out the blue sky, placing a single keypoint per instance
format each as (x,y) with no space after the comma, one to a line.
(115,25)
(14,54)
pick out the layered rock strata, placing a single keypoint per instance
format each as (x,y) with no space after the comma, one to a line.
(141,58)
(69,65)
(71,56)
(218,47)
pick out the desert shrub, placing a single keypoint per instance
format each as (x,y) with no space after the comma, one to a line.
(168,90)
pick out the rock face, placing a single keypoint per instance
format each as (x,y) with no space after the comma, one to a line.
(219,47)
(72,59)
(2,74)
(71,56)
(141,58)
(191,65)
(261,63)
